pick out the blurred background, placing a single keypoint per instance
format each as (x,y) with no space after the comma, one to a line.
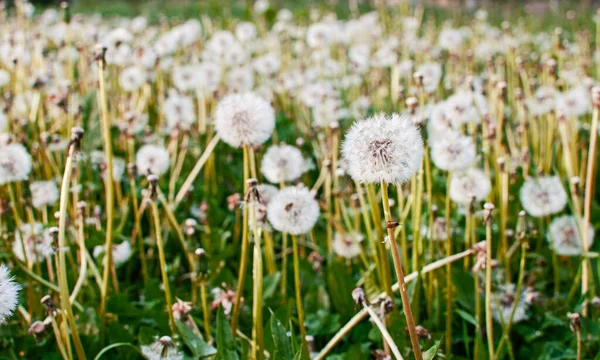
(537,13)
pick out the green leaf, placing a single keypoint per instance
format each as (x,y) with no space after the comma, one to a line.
(467,317)
(281,341)
(340,286)
(270,285)
(197,345)
(225,348)
(113,346)
(432,352)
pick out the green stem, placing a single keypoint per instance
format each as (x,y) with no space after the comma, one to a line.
(488,290)
(109,190)
(163,265)
(297,287)
(65,302)
(410,322)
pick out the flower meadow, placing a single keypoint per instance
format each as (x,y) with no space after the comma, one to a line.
(387,184)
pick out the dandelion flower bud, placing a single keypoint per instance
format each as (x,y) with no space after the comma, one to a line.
(565,237)
(282,163)
(15,163)
(453,153)
(244,119)
(9,294)
(358,295)
(293,210)
(383,149)
(152,159)
(468,185)
(543,196)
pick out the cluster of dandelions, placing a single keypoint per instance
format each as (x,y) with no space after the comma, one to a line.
(369,102)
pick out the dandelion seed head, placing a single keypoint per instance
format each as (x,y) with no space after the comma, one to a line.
(36,240)
(179,112)
(162,349)
(383,148)
(132,78)
(15,163)
(152,159)
(43,193)
(282,163)
(293,210)
(543,196)
(502,303)
(453,153)
(565,236)
(470,184)
(347,245)
(244,119)
(9,294)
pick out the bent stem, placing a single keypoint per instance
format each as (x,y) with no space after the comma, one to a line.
(410,322)
(386,335)
(196,170)
(356,319)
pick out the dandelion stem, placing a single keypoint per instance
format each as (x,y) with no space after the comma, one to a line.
(63,284)
(410,322)
(163,264)
(109,188)
(297,286)
(488,289)
(587,209)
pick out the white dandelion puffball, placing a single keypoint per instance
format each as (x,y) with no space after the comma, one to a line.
(502,304)
(132,78)
(543,196)
(282,163)
(36,241)
(347,245)
(244,119)
(293,210)
(9,294)
(383,149)
(3,121)
(152,159)
(161,349)
(179,112)
(452,153)
(120,253)
(565,236)
(266,192)
(15,163)
(472,183)
(43,193)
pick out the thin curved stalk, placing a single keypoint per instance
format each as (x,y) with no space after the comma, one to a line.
(362,314)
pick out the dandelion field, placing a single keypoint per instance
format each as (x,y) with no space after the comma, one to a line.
(348,180)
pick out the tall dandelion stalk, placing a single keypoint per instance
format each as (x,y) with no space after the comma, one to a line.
(387,150)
